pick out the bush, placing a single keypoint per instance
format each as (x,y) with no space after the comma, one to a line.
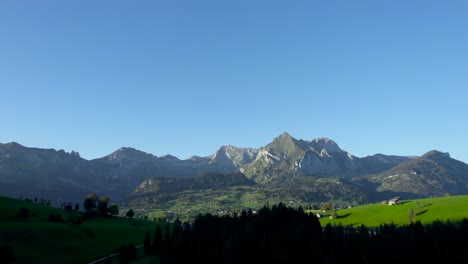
(75,219)
(23,213)
(56,218)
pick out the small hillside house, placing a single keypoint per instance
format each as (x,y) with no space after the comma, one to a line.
(395,200)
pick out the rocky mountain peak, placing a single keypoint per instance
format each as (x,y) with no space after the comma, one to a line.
(234,155)
(323,143)
(284,136)
(168,157)
(129,154)
(436,155)
(12,144)
(282,140)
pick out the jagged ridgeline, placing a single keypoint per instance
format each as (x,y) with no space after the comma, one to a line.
(321,157)
(287,168)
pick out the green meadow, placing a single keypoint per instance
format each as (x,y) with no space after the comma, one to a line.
(37,240)
(450,208)
(206,201)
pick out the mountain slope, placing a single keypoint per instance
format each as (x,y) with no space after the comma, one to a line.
(231,158)
(203,181)
(286,156)
(52,174)
(62,176)
(433,174)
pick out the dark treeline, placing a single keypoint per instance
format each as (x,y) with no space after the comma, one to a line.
(281,234)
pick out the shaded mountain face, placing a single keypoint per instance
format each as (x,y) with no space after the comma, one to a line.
(127,167)
(433,174)
(378,163)
(62,176)
(44,173)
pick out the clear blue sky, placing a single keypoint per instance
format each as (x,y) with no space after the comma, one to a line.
(186,77)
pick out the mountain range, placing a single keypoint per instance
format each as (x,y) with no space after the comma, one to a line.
(315,170)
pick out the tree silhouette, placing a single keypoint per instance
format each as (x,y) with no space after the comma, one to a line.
(23,213)
(127,253)
(103,204)
(281,234)
(411,215)
(147,243)
(334,215)
(113,209)
(90,203)
(130,213)
(157,240)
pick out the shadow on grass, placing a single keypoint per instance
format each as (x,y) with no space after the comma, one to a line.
(356,224)
(421,213)
(344,216)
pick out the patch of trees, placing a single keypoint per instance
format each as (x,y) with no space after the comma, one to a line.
(75,219)
(268,236)
(95,205)
(282,234)
(69,206)
(308,189)
(35,200)
(56,218)
(327,206)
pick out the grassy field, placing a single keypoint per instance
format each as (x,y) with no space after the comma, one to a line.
(453,208)
(36,240)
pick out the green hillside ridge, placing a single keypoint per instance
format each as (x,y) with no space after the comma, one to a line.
(452,208)
(171,198)
(36,240)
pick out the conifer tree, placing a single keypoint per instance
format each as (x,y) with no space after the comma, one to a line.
(411,215)
(147,243)
(157,240)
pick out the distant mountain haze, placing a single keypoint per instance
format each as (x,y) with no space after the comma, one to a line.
(127,172)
